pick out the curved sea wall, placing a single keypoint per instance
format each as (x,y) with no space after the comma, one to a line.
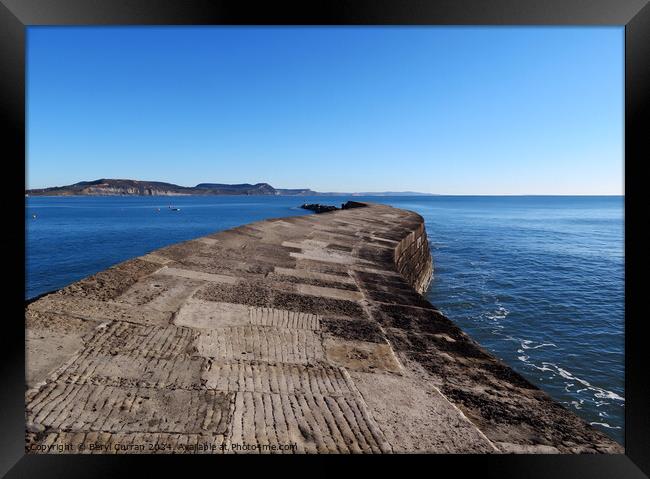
(300,334)
(413,259)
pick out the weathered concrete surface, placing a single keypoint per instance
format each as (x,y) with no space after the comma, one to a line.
(304,331)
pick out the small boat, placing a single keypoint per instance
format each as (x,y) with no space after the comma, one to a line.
(34,216)
(174,209)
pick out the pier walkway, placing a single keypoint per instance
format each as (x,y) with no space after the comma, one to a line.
(300,334)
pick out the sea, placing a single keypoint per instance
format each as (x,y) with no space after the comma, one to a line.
(536,280)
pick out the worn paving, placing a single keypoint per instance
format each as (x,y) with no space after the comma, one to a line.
(301,335)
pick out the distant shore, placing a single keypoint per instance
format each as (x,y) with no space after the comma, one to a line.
(119,187)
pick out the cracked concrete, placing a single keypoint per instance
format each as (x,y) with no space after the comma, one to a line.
(303,335)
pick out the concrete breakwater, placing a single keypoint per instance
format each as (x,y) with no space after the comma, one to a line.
(301,334)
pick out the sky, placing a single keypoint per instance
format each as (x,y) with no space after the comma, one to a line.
(445,110)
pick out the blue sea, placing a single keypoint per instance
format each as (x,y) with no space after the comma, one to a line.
(538,281)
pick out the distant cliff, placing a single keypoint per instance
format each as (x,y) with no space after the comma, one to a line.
(110,187)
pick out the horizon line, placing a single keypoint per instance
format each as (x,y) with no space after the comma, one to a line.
(378,193)
(330,192)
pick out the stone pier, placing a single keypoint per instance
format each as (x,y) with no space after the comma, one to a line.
(294,335)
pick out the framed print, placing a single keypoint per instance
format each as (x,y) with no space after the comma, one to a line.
(407,229)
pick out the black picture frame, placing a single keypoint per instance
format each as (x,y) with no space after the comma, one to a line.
(16,15)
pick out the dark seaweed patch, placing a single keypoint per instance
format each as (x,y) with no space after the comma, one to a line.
(354,329)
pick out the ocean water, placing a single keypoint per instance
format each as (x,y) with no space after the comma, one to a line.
(538,281)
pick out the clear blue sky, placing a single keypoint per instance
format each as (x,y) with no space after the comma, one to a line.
(487,110)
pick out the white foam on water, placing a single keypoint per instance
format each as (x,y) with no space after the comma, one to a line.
(526,345)
(499,314)
(604,424)
(599,393)
(522,357)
